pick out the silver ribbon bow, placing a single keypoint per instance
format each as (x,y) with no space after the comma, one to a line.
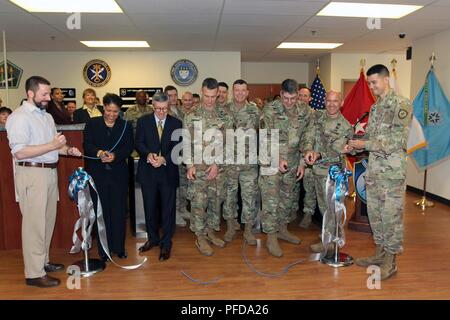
(336,190)
(79,191)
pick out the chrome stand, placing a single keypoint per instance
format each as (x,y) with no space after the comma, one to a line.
(338,259)
(89,267)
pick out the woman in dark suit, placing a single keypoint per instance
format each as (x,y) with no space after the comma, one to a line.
(110,171)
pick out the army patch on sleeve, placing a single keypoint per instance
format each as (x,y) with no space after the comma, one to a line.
(402,114)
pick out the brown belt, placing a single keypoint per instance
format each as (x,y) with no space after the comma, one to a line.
(38,164)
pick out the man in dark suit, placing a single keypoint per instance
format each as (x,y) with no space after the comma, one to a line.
(158,174)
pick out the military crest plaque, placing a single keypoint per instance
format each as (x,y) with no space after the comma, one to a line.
(184,72)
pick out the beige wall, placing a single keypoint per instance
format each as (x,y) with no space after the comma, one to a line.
(347,66)
(129,69)
(438,181)
(274,72)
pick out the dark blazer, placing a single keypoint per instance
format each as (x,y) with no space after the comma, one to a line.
(147,141)
(60,116)
(96,138)
(82,116)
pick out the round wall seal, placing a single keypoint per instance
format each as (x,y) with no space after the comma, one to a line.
(97,73)
(184,72)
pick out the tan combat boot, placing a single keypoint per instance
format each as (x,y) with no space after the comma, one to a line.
(377,259)
(306,221)
(389,266)
(236,225)
(284,234)
(273,246)
(211,236)
(317,247)
(231,232)
(203,246)
(248,235)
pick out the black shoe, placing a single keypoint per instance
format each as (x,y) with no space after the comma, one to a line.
(105,258)
(164,254)
(43,282)
(147,246)
(122,255)
(53,267)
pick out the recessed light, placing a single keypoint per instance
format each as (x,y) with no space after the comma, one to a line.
(116,44)
(66,6)
(308,45)
(367,10)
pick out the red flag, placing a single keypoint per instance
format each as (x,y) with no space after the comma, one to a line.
(356,108)
(357,103)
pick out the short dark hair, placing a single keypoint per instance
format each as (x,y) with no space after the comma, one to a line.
(290,86)
(240,81)
(5,109)
(33,83)
(195,95)
(223,84)
(160,97)
(112,98)
(210,83)
(52,90)
(305,88)
(170,88)
(381,69)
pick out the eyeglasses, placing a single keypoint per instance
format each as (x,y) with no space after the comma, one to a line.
(161,109)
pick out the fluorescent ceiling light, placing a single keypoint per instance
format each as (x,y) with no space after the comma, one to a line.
(116,44)
(367,10)
(308,45)
(99,6)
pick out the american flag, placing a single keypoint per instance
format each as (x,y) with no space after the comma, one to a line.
(318,94)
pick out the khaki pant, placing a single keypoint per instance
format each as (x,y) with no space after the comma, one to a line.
(37,189)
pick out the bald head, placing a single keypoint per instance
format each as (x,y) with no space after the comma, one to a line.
(187,100)
(333,103)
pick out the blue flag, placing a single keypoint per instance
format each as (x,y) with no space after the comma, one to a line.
(318,94)
(432,110)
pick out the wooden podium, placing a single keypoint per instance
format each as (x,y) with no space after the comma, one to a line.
(67,212)
(360,220)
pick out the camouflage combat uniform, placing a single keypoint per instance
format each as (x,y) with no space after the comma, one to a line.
(245,175)
(328,136)
(203,193)
(182,194)
(386,140)
(133,113)
(279,191)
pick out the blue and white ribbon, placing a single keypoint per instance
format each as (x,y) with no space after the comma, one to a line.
(79,183)
(336,190)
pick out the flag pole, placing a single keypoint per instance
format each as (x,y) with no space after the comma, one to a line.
(6,69)
(423,203)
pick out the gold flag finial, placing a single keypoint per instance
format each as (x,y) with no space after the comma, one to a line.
(394,63)
(318,66)
(432,59)
(362,63)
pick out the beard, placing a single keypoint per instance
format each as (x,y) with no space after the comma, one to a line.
(40,104)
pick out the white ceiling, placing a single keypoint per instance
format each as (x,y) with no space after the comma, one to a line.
(253,27)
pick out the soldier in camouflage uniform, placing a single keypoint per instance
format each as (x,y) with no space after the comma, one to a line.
(291,118)
(133,113)
(222,94)
(326,138)
(246,121)
(310,199)
(174,111)
(386,141)
(185,109)
(202,176)
(141,108)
